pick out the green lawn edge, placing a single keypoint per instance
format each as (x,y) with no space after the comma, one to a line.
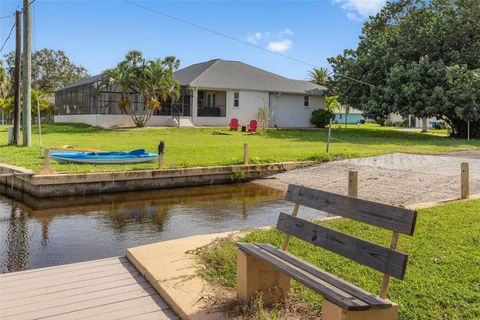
(199,147)
(442,280)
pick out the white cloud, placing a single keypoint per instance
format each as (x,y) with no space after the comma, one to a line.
(360,9)
(275,41)
(255,37)
(280,45)
(285,32)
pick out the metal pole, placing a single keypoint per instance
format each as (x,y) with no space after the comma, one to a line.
(17,76)
(329,135)
(39,121)
(27,76)
(468,130)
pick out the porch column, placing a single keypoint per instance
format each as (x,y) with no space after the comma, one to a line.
(194,104)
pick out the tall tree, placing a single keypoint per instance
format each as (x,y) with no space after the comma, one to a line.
(319,76)
(4,82)
(151,80)
(408,59)
(4,90)
(51,69)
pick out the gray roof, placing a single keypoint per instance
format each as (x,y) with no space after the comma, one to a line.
(82,81)
(236,75)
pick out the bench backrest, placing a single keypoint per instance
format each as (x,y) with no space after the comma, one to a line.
(378,214)
(385,260)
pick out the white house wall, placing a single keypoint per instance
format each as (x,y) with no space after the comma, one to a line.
(247,110)
(109,120)
(249,102)
(289,111)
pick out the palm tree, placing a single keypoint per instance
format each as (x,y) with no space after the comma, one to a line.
(347,112)
(151,80)
(160,85)
(319,76)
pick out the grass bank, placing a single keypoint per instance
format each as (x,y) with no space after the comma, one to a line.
(443,274)
(190,147)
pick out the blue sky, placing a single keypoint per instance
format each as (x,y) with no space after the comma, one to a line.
(97,34)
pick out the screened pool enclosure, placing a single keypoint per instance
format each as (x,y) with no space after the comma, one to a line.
(86,97)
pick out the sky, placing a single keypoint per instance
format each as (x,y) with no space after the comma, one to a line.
(97,34)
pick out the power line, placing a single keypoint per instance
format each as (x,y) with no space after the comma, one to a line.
(9,35)
(13,14)
(31,2)
(9,16)
(227,36)
(13,26)
(218,33)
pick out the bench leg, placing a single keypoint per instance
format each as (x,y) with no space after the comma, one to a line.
(254,276)
(331,311)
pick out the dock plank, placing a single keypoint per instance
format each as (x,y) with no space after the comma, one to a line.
(103,289)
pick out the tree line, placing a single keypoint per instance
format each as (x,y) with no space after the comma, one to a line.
(415,57)
(51,69)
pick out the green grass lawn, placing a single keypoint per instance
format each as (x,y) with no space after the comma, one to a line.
(443,274)
(189,147)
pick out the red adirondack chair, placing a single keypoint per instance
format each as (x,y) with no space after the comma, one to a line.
(234,124)
(252,126)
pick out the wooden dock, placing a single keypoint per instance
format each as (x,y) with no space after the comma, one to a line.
(100,289)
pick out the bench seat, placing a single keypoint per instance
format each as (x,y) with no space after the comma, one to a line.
(332,288)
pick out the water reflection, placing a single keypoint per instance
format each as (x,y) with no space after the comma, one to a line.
(17,240)
(37,233)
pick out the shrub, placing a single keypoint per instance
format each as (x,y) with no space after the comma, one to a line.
(380,121)
(402,123)
(321,117)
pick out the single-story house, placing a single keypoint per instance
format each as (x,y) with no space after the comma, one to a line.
(354,116)
(415,122)
(212,93)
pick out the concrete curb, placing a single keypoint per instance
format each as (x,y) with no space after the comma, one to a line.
(172,271)
(94,183)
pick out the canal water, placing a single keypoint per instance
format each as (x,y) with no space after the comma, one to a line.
(38,233)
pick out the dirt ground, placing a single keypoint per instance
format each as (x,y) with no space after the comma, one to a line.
(397,179)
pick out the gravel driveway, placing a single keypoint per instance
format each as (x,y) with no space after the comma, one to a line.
(398,179)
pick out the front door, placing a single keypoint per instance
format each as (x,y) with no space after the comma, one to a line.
(210,100)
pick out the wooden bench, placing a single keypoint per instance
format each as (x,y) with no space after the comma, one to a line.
(264,268)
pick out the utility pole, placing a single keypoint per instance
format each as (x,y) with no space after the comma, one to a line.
(27,76)
(17,75)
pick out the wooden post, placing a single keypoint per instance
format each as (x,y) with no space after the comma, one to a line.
(245,153)
(46,164)
(17,76)
(27,75)
(161,151)
(353,183)
(465,185)
(329,138)
(160,161)
(287,237)
(386,277)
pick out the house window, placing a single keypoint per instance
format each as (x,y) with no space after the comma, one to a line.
(236,99)
(306,101)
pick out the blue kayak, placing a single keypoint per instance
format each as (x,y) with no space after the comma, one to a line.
(135,156)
